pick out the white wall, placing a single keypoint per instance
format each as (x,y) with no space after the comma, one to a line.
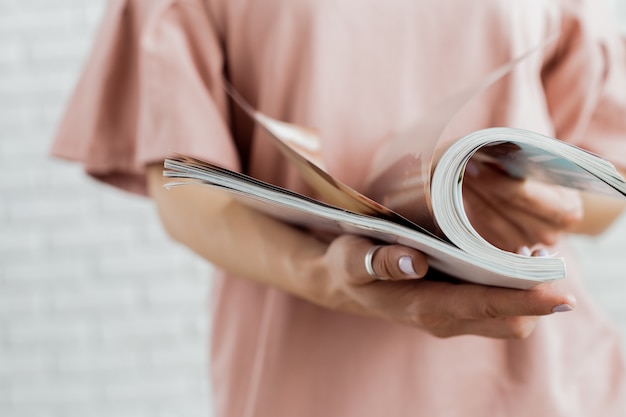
(100,315)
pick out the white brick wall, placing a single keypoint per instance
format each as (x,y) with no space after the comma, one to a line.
(100,315)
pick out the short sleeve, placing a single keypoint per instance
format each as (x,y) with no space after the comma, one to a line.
(150,88)
(585,81)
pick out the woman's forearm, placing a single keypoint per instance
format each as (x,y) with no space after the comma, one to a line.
(238,239)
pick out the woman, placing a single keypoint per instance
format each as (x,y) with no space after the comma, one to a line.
(307,327)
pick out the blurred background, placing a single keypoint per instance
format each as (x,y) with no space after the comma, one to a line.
(100,314)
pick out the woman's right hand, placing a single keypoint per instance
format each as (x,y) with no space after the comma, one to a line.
(444,309)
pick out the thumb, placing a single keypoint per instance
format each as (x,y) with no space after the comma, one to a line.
(386,262)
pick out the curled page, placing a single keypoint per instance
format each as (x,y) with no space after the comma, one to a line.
(399,181)
(301,146)
(398,186)
(400,178)
(519,153)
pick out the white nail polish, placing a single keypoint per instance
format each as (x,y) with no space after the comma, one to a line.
(406,265)
(562,308)
(524,251)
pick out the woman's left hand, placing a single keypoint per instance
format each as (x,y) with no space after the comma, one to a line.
(521,216)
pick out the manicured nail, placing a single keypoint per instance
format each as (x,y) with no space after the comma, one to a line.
(472,169)
(562,308)
(524,251)
(406,265)
(542,253)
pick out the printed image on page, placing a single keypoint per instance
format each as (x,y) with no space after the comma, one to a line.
(520,160)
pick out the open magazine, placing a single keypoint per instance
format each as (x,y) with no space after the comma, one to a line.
(415,200)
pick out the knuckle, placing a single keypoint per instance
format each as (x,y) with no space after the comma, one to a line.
(521,327)
(548,237)
(522,195)
(487,308)
(569,213)
(563,220)
(571,218)
(436,326)
(386,265)
(489,311)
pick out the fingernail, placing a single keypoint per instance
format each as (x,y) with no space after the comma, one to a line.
(472,169)
(542,253)
(562,308)
(406,265)
(524,251)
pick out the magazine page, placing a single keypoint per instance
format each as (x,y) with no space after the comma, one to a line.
(522,154)
(301,147)
(475,266)
(400,178)
(399,182)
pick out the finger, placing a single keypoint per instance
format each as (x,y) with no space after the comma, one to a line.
(549,205)
(500,225)
(445,309)
(388,262)
(432,306)
(395,262)
(507,328)
(490,224)
(516,214)
(542,253)
(534,224)
(556,206)
(478,302)
(503,302)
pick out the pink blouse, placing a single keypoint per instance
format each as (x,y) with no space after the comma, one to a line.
(359,71)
